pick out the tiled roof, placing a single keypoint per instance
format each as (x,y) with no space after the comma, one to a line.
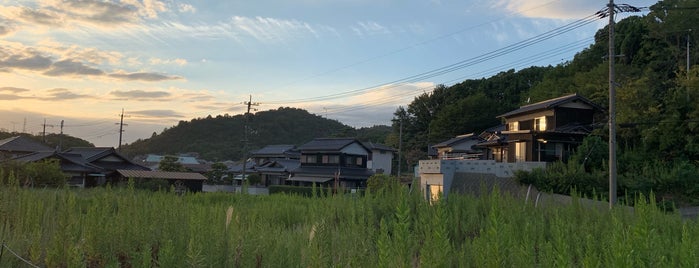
(73,162)
(548,104)
(456,140)
(22,144)
(274,150)
(161,175)
(91,153)
(327,144)
(378,146)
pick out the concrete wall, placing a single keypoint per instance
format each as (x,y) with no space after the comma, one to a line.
(448,168)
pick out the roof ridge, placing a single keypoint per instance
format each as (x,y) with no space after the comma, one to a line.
(551,100)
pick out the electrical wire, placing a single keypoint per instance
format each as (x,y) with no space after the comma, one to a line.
(455,66)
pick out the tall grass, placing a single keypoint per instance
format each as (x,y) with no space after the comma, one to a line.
(130,228)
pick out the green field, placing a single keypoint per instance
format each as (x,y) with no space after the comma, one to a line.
(130,228)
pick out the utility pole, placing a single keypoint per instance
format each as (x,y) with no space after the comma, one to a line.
(246,118)
(60,138)
(121,127)
(43,133)
(24,126)
(611,9)
(612,111)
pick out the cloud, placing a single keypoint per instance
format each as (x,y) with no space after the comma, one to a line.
(140,94)
(96,13)
(64,94)
(178,62)
(369,28)
(11,97)
(13,89)
(25,61)
(186,8)
(157,113)
(42,17)
(151,77)
(75,62)
(271,29)
(5,30)
(72,68)
(546,9)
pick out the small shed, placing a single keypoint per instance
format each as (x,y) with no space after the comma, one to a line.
(181,180)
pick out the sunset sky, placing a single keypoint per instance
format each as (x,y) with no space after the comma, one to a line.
(162,61)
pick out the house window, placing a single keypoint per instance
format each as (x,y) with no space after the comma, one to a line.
(309,159)
(331,159)
(360,161)
(434,191)
(520,151)
(513,126)
(540,123)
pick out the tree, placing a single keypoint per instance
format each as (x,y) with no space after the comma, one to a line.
(170,163)
(218,174)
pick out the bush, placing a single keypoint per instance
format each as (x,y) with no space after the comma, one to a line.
(45,173)
(381,182)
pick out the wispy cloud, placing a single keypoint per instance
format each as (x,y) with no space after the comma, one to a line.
(13,89)
(142,76)
(272,29)
(64,94)
(369,28)
(157,113)
(140,94)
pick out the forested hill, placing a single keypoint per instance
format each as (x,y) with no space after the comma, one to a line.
(220,138)
(657,98)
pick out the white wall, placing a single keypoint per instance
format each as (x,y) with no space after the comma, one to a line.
(381,161)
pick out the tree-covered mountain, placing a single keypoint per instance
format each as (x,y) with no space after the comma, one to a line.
(221,137)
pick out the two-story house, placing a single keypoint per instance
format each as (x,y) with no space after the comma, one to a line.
(546,131)
(530,137)
(326,161)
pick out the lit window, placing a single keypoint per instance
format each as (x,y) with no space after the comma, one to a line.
(540,123)
(520,151)
(513,126)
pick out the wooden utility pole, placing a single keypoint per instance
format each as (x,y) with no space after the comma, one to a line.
(246,117)
(612,111)
(43,133)
(121,127)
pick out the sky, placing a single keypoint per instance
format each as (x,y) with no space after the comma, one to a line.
(81,62)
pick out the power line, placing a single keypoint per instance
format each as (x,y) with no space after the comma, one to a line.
(455,66)
(440,37)
(518,63)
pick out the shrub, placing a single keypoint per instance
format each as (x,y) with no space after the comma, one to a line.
(45,173)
